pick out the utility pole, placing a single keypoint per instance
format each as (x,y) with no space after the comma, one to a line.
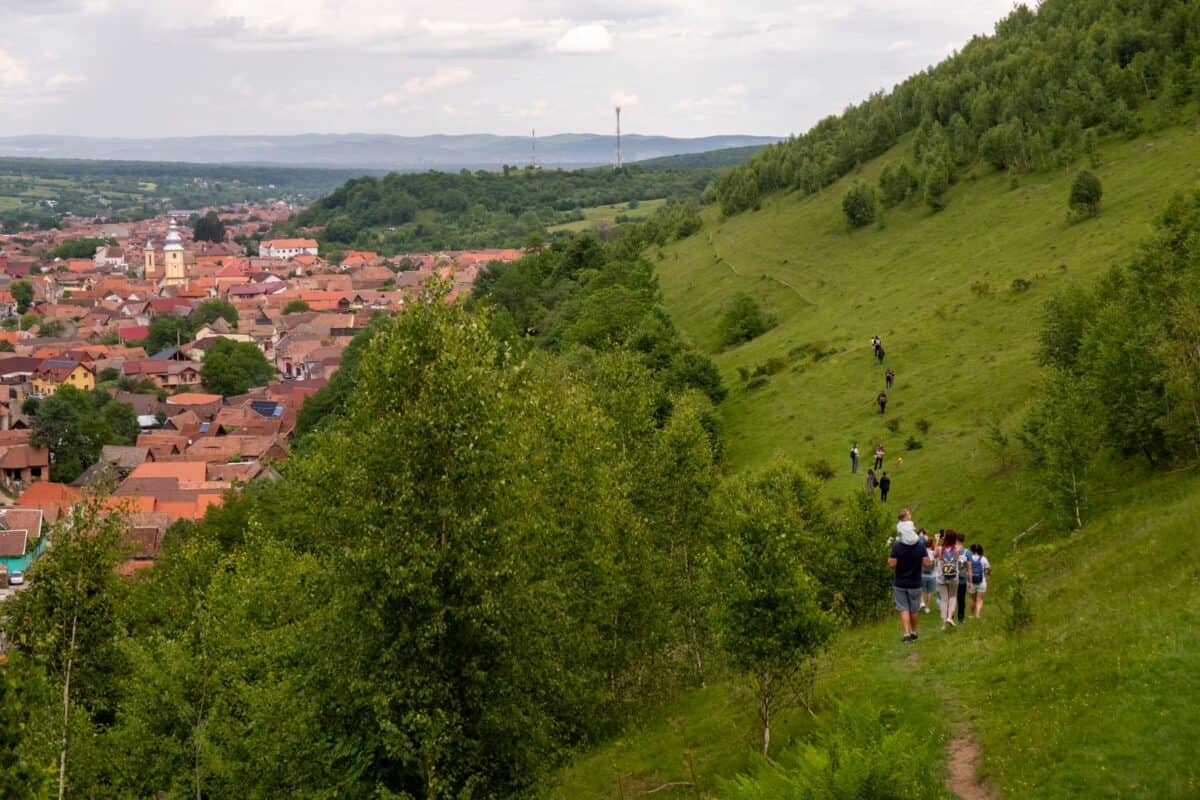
(618,138)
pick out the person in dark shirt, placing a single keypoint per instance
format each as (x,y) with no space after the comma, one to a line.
(882,400)
(889,378)
(908,559)
(885,486)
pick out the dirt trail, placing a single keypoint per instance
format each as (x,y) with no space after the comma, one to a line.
(962,754)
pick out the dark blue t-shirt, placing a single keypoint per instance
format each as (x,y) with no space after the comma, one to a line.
(908,565)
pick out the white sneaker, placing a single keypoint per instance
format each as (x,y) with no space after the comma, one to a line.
(950,622)
(925,609)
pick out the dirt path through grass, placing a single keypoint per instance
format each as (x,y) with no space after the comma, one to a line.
(962,754)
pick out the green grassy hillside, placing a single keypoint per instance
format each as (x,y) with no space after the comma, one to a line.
(1097,699)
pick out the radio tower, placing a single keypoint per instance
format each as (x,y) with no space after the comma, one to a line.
(533,149)
(618,137)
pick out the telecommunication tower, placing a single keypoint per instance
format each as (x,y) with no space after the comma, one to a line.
(618,137)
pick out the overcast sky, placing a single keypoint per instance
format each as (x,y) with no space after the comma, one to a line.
(679,67)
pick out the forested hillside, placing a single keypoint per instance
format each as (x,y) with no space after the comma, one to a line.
(442,210)
(1033,96)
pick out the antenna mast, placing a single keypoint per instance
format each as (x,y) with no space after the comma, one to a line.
(618,137)
(533,148)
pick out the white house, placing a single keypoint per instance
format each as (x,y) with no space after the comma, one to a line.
(286,248)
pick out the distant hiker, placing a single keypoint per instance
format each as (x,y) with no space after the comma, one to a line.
(879,354)
(889,377)
(908,558)
(879,456)
(928,581)
(871,482)
(854,458)
(885,486)
(876,346)
(882,400)
(964,578)
(949,564)
(979,571)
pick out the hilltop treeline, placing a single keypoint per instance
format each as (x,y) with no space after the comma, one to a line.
(1030,96)
(443,210)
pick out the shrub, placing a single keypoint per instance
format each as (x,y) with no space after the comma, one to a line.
(743,320)
(757,382)
(822,469)
(981,288)
(923,425)
(1020,611)
(893,424)
(771,366)
(1086,192)
(859,204)
(1020,285)
(913,443)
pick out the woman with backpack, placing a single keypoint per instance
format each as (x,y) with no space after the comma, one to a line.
(980,569)
(949,565)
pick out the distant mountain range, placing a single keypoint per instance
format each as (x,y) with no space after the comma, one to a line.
(374,151)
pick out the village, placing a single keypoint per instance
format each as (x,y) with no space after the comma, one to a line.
(86,323)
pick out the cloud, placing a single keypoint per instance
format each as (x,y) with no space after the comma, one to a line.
(585,39)
(413,87)
(624,99)
(900,45)
(61,79)
(723,98)
(531,111)
(12,71)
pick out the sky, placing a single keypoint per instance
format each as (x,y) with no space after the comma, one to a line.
(148,68)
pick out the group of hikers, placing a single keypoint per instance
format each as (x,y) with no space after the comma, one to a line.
(943,564)
(941,569)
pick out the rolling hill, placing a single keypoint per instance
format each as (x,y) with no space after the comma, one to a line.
(1108,669)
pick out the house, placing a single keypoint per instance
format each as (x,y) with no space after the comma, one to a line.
(54,499)
(286,248)
(110,257)
(53,373)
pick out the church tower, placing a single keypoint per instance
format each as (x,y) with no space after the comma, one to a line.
(174,271)
(148,259)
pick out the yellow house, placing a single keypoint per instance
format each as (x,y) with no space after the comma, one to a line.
(53,373)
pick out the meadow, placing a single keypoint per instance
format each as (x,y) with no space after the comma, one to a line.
(600,216)
(1097,697)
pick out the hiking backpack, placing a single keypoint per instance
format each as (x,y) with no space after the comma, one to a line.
(977,569)
(950,567)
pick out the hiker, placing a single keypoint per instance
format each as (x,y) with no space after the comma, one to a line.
(949,564)
(882,400)
(889,377)
(964,578)
(879,354)
(876,346)
(854,458)
(908,558)
(885,486)
(928,582)
(871,482)
(980,569)
(879,456)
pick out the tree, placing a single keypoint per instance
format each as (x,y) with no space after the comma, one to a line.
(82,247)
(50,328)
(75,425)
(771,620)
(296,307)
(21,694)
(937,183)
(233,367)
(1086,192)
(22,292)
(743,320)
(166,330)
(66,621)
(859,205)
(1063,437)
(209,228)
(6,346)
(896,184)
(210,310)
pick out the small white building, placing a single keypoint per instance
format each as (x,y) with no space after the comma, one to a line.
(111,257)
(287,248)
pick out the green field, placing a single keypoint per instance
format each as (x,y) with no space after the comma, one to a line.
(599,216)
(1098,698)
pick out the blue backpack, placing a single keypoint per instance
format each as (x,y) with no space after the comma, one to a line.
(976,568)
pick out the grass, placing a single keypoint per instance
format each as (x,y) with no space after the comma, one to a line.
(607,215)
(1098,697)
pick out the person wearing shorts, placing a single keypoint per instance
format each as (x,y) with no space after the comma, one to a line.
(979,569)
(907,560)
(928,579)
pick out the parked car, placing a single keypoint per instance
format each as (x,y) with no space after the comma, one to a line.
(17,578)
